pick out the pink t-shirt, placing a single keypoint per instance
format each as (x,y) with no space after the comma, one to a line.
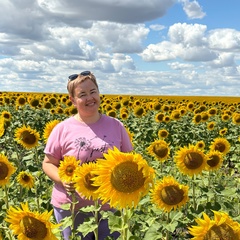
(87,143)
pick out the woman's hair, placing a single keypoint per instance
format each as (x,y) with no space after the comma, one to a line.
(80,78)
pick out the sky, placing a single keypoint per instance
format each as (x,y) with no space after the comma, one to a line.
(136,47)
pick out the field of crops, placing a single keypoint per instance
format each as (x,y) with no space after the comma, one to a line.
(191,143)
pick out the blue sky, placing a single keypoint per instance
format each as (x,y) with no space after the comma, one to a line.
(144,47)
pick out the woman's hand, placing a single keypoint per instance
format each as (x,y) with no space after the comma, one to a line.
(70,187)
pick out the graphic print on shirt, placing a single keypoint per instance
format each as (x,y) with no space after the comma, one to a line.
(90,147)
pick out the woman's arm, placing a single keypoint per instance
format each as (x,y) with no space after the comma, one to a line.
(50,167)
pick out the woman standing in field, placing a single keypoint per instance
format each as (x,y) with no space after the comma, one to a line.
(86,136)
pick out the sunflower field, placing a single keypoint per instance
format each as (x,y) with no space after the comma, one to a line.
(184,172)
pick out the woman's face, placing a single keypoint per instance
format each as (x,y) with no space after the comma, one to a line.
(86,98)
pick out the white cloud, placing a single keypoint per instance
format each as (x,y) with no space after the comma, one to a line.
(193,9)
(179,66)
(224,39)
(157,27)
(42,42)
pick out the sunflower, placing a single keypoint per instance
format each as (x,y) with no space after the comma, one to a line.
(27,137)
(112,113)
(190,106)
(6,170)
(122,178)
(221,227)
(190,160)
(214,160)
(48,129)
(176,115)
(163,133)
(6,115)
(84,180)
(159,117)
(124,115)
(236,118)
(211,125)
(159,149)
(139,111)
(166,119)
(223,131)
(168,194)
(25,179)
(197,118)
(156,106)
(2,129)
(67,168)
(225,117)
(21,101)
(212,111)
(220,144)
(34,102)
(200,144)
(30,225)
(204,116)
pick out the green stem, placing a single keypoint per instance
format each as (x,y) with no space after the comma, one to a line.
(168,220)
(125,224)
(73,215)
(6,196)
(96,219)
(193,193)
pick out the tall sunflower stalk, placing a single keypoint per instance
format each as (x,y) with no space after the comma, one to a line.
(126,214)
(67,170)
(73,204)
(194,193)
(6,196)
(96,218)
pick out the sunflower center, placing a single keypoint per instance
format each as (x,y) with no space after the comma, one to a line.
(220,147)
(28,137)
(25,178)
(33,228)
(69,170)
(220,233)
(213,161)
(193,160)
(160,150)
(88,182)
(172,195)
(3,170)
(127,178)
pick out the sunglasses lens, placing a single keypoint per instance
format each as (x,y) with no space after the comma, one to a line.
(85,73)
(73,77)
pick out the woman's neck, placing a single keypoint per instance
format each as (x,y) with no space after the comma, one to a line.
(88,119)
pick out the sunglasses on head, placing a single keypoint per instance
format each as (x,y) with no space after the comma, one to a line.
(74,76)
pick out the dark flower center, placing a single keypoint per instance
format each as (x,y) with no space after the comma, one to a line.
(3,171)
(127,178)
(160,150)
(28,138)
(213,161)
(33,228)
(220,147)
(172,195)
(193,160)
(88,182)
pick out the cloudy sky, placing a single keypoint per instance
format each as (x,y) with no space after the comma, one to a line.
(138,47)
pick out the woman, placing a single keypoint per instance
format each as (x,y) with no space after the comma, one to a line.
(87,135)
